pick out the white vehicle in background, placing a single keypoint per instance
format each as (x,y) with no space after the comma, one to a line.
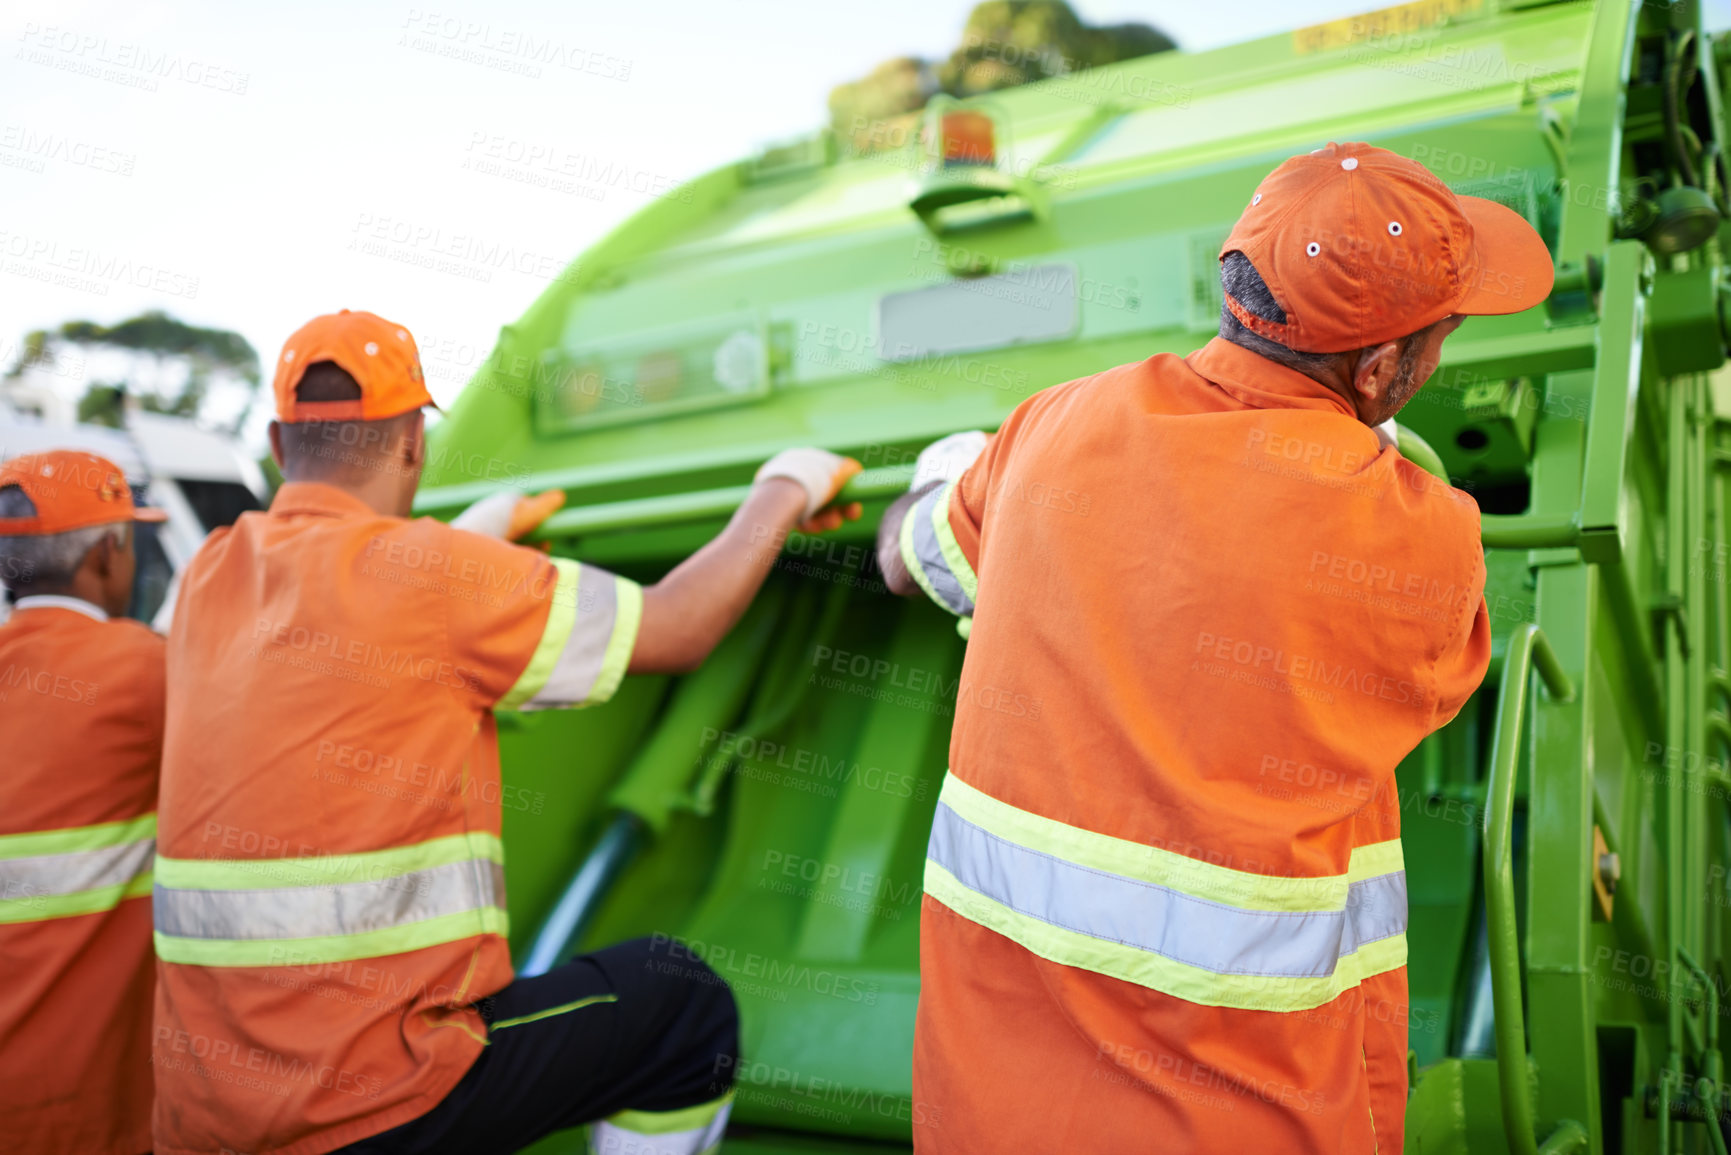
(201,478)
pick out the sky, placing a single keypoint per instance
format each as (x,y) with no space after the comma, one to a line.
(248,167)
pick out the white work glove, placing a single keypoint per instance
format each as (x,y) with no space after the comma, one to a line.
(821,474)
(508,515)
(947,458)
(1388,434)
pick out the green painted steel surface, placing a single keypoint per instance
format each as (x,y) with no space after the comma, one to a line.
(787,788)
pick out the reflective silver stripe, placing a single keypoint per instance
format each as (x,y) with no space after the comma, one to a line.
(930,555)
(579,662)
(1223,939)
(76,871)
(608,1138)
(1375,910)
(290,912)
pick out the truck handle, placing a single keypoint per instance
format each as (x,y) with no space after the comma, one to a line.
(1526,648)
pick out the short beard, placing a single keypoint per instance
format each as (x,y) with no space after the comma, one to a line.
(1405,383)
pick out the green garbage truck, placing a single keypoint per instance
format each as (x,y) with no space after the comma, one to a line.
(1566,838)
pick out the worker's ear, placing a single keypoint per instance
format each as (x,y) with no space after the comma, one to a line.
(415,441)
(276,444)
(102,558)
(1375,370)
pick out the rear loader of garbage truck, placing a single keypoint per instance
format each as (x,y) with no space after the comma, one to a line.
(1565,838)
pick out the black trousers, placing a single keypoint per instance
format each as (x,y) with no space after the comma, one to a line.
(555,1060)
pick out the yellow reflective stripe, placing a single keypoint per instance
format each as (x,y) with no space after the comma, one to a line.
(911,558)
(958,561)
(561,617)
(663,1122)
(42,907)
(562,1009)
(627,617)
(1150,864)
(291,952)
(1376,859)
(1145,968)
(75,838)
(323,870)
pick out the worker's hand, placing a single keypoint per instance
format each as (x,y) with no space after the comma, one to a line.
(821,474)
(948,458)
(509,516)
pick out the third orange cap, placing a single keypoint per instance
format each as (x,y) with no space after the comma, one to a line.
(380,355)
(1360,245)
(71,490)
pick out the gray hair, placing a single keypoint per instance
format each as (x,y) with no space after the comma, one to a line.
(1240,281)
(46,561)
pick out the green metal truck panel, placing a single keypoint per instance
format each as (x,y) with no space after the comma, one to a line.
(1566,837)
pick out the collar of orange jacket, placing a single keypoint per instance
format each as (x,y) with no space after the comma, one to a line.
(318,498)
(1260,383)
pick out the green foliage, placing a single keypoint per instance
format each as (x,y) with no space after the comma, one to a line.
(159,334)
(103,405)
(154,334)
(893,90)
(1005,43)
(34,351)
(1011,42)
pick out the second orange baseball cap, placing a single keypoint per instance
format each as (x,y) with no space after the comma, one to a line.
(380,355)
(70,490)
(1360,245)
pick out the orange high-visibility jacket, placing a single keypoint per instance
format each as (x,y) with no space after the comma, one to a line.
(1165,904)
(329,890)
(81,714)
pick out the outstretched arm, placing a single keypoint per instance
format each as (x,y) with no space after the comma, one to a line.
(688,612)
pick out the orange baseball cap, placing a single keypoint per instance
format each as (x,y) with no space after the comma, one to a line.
(1360,246)
(70,490)
(381,356)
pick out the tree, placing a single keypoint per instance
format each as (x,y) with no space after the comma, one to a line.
(1005,43)
(103,405)
(205,353)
